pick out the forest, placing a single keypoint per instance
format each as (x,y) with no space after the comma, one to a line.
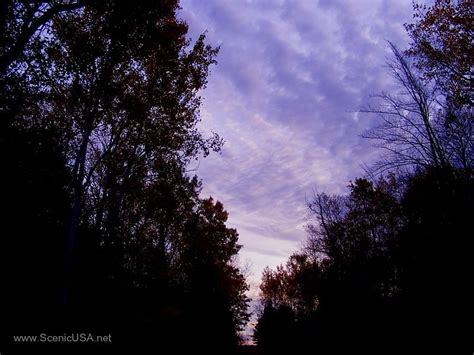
(385,268)
(105,231)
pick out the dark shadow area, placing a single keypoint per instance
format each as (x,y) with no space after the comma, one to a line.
(103,231)
(394,276)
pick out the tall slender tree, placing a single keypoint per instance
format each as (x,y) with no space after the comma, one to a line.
(113,89)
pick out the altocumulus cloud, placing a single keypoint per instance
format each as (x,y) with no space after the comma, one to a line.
(284,96)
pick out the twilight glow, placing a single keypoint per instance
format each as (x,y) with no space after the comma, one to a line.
(290,78)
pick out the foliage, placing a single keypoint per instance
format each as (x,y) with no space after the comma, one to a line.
(385,267)
(442,46)
(387,263)
(101,106)
(442,50)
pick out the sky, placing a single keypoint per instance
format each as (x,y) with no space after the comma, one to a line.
(285,94)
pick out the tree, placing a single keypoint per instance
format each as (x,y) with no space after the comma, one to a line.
(442,50)
(442,46)
(22,20)
(389,261)
(112,87)
(342,284)
(364,219)
(293,285)
(274,332)
(127,88)
(430,257)
(429,123)
(207,263)
(390,264)
(410,130)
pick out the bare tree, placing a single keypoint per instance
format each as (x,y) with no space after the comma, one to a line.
(327,211)
(409,131)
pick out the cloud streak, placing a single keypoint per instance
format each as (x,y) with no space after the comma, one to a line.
(284,96)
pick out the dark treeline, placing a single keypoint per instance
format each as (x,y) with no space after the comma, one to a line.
(103,230)
(388,268)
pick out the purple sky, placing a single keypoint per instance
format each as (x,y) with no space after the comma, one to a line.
(285,94)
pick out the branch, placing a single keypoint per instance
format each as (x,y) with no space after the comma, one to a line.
(30,27)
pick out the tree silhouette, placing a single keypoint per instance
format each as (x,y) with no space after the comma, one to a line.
(432,257)
(442,51)
(101,106)
(429,122)
(385,267)
(409,131)
(442,47)
(127,93)
(21,21)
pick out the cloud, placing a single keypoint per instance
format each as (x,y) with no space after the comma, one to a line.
(284,96)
